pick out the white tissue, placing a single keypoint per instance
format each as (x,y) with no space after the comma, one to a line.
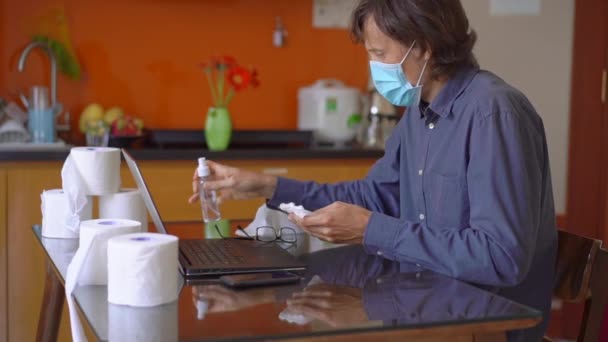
(89,265)
(291,316)
(202,306)
(89,171)
(297,210)
(143,269)
(126,204)
(294,318)
(266,217)
(157,324)
(56,214)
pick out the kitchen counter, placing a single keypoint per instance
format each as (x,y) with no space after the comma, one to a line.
(188,145)
(193,154)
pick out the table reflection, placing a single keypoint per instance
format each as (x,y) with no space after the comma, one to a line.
(346,288)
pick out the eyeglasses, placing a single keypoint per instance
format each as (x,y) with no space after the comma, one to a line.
(266,234)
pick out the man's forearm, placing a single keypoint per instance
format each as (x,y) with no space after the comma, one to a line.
(314,195)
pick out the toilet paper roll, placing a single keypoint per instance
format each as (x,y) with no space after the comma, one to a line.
(89,265)
(89,171)
(56,214)
(142,269)
(99,169)
(95,270)
(126,204)
(155,324)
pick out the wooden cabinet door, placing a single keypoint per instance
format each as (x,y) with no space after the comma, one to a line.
(588,155)
(25,257)
(604,98)
(587,196)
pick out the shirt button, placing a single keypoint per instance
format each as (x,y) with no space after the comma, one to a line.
(431,125)
(379,252)
(420,172)
(421,216)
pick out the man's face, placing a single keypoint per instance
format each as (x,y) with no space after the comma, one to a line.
(382,48)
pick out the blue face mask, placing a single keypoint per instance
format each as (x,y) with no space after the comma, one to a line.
(391,82)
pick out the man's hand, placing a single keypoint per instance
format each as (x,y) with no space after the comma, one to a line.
(233,183)
(339,306)
(222,299)
(338,223)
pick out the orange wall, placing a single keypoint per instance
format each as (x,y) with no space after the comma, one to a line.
(143,55)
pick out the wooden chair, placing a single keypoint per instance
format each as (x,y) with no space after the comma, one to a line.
(597,304)
(582,277)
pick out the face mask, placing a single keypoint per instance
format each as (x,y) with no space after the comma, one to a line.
(391,82)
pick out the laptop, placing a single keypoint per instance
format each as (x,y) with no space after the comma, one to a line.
(216,257)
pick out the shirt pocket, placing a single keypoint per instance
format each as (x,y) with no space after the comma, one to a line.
(448,201)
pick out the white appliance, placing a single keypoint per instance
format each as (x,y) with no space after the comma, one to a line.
(331,110)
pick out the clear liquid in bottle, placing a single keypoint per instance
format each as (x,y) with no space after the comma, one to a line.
(208,198)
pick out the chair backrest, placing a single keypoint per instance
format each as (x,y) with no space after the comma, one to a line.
(574,265)
(596,305)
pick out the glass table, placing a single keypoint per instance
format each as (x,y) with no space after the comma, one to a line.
(345,294)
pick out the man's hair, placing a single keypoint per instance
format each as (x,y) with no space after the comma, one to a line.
(440,26)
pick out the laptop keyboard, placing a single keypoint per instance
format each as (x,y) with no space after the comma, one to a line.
(219,252)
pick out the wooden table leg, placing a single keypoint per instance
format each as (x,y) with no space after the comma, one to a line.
(52,307)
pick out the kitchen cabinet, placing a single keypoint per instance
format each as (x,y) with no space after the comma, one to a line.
(21,262)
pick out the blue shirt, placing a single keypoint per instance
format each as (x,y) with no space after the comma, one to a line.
(463,189)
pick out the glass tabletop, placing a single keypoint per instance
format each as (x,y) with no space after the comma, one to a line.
(344,290)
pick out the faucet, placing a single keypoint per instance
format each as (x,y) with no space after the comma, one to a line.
(46,48)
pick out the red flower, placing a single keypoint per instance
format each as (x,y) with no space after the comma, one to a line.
(239,78)
(224,71)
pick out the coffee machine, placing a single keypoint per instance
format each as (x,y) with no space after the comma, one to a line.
(379,119)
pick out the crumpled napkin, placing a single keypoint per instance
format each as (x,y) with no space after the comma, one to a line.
(298,210)
(266,217)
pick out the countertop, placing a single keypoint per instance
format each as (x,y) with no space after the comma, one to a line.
(194,153)
(167,144)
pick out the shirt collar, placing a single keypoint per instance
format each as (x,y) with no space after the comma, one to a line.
(443,103)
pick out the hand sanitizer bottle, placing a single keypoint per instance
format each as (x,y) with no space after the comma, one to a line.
(208,199)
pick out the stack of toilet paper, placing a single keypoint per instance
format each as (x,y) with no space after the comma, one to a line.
(89,173)
(140,269)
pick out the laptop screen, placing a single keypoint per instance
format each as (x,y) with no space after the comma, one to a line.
(145,193)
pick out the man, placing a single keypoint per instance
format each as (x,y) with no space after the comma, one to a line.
(464,187)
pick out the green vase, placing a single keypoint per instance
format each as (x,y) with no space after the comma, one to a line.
(218,128)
